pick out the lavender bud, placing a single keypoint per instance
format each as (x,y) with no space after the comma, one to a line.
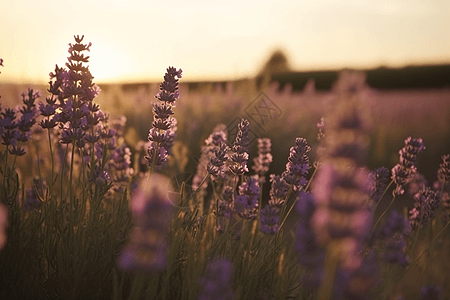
(298,164)
(239,158)
(278,191)
(426,204)
(216,166)
(443,174)
(262,162)
(403,172)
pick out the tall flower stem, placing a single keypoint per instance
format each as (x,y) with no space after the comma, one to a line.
(331,264)
(152,166)
(420,255)
(382,215)
(70,183)
(288,195)
(15,158)
(6,166)
(384,193)
(52,159)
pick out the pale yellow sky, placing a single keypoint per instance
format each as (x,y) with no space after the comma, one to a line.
(135,40)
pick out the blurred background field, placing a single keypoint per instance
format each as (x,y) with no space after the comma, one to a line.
(413,101)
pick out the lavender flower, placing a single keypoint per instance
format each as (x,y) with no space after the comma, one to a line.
(298,164)
(391,239)
(380,178)
(416,183)
(217,282)
(15,131)
(224,215)
(33,195)
(443,173)
(100,176)
(75,91)
(363,279)
(215,139)
(269,219)
(228,194)
(262,162)
(216,166)
(310,254)
(121,162)
(426,204)
(29,111)
(321,137)
(405,169)
(395,223)
(342,217)
(394,251)
(246,202)
(151,209)
(431,292)
(7,120)
(278,191)
(239,158)
(163,131)
(321,127)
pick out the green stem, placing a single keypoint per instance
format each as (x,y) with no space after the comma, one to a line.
(273,251)
(382,215)
(61,175)
(331,264)
(15,158)
(384,193)
(311,179)
(70,184)
(420,255)
(51,157)
(5,168)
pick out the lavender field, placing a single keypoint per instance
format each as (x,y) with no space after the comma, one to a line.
(236,190)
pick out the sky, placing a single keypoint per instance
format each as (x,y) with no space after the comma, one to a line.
(136,40)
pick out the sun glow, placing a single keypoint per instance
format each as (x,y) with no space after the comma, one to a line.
(136,40)
(110,61)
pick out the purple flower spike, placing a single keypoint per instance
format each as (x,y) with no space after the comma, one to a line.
(403,172)
(298,164)
(239,158)
(380,178)
(341,188)
(216,166)
(431,292)
(262,162)
(278,191)
(426,204)
(444,169)
(217,282)
(269,219)
(246,202)
(163,132)
(152,209)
